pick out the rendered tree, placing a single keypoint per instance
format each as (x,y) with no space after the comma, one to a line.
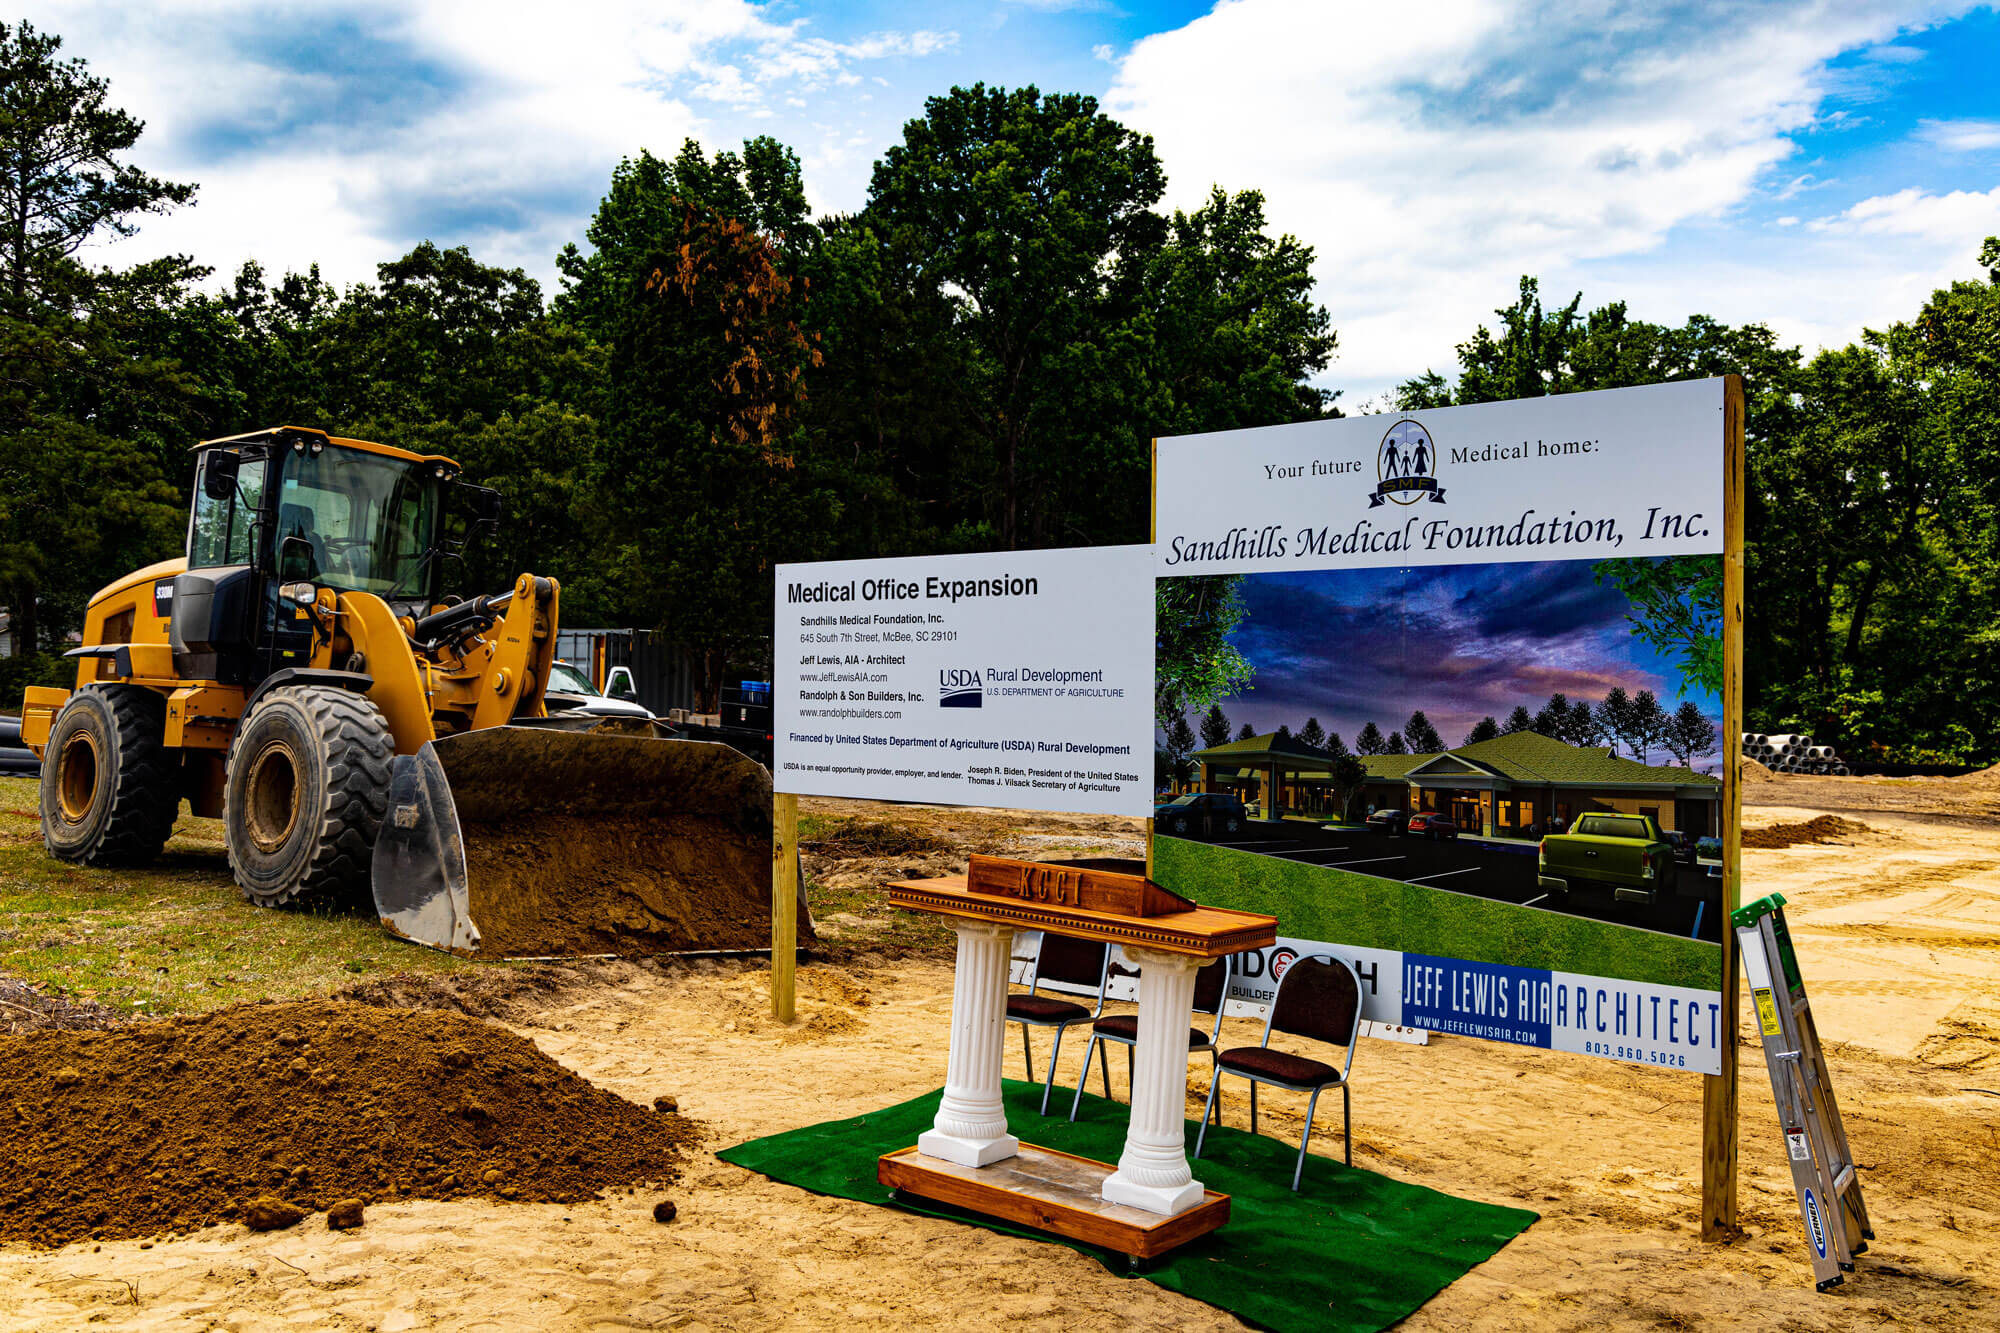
(1395,744)
(1247,733)
(1676,608)
(1194,662)
(1347,774)
(1312,734)
(1214,727)
(1690,735)
(1369,740)
(1520,720)
(1615,717)
(1485,729)
(1180,744)
(1283,733)
(1554,718)
(1422,737)
(1334,745)
(1649,723)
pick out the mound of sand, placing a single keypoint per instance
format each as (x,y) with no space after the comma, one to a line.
(180,1124)
(1820,828)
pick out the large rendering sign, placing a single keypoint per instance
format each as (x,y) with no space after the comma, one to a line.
(1622,474)
(1019,679)
(1478,711)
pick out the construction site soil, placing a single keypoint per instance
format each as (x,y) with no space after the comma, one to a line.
(170,1126)
(568,884)
(1821,828)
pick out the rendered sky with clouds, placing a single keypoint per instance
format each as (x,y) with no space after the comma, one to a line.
(1460,642)
(1821,165)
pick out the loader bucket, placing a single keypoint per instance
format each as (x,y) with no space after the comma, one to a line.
(543,841)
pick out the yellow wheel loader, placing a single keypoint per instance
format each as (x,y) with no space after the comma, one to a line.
(301,674)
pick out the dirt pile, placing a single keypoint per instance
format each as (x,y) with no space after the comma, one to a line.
(175,1125)
(1821,828)
(568,885)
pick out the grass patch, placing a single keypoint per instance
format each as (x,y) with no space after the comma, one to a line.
(874,923)
(1342,907)
(176,936)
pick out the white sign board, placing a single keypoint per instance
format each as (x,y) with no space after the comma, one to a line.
(1016,678)
(1530,479)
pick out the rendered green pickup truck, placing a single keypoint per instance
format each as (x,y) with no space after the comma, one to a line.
(1623,853)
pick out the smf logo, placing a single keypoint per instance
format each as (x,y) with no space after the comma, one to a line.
(1814,1227)
(1406,466)
(959,687)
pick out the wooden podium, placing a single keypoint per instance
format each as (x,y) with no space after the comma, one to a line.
(1150,1202)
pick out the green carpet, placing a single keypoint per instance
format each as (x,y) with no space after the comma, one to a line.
(1352,1250)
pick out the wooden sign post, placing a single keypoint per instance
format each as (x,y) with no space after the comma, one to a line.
(1150,1202)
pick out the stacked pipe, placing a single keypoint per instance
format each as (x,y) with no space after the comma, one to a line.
(16,759)
(1793,752)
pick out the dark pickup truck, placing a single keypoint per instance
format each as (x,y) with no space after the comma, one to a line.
(1624,853)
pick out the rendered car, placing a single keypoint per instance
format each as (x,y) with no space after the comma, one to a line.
(1386,821)
(1624,853)
(1201,813)
(1683,845)
(1426,824)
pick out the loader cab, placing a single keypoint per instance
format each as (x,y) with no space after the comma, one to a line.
(290,507)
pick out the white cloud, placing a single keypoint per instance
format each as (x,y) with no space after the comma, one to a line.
(344,132)
(1960,136)
(1939,219)
(1433,153)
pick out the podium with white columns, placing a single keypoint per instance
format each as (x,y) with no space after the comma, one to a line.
(1150,1201)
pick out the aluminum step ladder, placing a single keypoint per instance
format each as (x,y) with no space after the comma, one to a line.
(1823,1174)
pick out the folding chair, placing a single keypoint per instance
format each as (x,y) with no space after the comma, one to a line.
(1211,985)
(1059,958)
(1319,998)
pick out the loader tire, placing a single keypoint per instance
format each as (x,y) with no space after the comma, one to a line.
(307,783)
(110,786)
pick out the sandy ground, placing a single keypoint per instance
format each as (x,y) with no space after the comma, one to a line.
(1899,933)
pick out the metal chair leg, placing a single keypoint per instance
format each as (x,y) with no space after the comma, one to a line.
(1298,1172)
(1214,1086)
(1104,1072)
(1347,1122)
(1027,1053)
(1084,1077)
(1253,1106)
(1049,1084)
(1131,1052)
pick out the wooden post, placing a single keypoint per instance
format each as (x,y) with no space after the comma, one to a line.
(1718,1092)
(1152,535)
(784,902)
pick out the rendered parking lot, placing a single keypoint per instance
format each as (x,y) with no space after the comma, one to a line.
(1488,869)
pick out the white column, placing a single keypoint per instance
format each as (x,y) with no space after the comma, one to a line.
(1153,1171)
(971,1124)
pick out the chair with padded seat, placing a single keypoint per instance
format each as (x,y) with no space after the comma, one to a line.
(1319,998)
(1065,959)
(1211,986)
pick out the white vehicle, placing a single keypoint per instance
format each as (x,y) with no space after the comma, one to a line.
(570,691)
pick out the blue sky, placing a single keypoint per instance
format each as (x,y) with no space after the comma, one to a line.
(1817,164)
(1460,642)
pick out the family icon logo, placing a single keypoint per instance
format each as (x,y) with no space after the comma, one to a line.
(1406,466)
(960,687)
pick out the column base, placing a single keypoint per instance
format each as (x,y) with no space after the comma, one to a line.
(1163,1199)
(969,1152)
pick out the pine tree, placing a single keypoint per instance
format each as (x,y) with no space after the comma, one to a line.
(1214,727)
(1690,735)
(1486,728)
(1518,721)
(1248,733)
(1369,741)
(1395,744)
(1423,738)
(1312,734)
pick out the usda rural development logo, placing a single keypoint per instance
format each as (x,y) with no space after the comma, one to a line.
(959,687)
(1406,466)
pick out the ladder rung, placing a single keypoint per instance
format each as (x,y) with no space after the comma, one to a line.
(1843,1179)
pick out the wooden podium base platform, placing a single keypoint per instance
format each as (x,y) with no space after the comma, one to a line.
(1051,1191)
